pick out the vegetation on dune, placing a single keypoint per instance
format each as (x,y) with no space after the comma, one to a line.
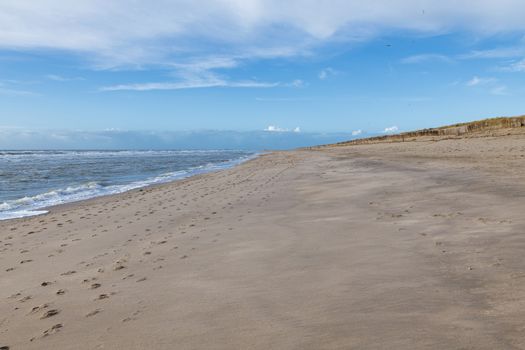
(455,130)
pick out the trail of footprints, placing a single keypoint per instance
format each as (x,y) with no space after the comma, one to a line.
(441,237)
(186,209)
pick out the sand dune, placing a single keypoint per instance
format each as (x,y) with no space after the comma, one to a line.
(412,245)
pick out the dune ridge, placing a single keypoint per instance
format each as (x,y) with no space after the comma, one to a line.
(486,127)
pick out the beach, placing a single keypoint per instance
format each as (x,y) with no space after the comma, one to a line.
(394,245)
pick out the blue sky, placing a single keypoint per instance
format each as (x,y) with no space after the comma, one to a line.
(303,66)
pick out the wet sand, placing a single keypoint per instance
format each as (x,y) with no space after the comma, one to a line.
(412,245)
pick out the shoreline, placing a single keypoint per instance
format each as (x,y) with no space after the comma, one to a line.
(398,246)
(135,191)
(48,209)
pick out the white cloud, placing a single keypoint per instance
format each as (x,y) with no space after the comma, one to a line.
(490,84)
(6,88)
(357,132)
(326,73)
(273,128)
(499,90)
(281,99)
(500,52)
(296,83)
(114,33)
(13,92)
(188,85)
(475,81)
(518,66)
(61,78)
(56,77)
(196,39)
(424,58)
(201,74)
(391,129)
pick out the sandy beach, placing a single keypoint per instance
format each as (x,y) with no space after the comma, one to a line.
(406,245)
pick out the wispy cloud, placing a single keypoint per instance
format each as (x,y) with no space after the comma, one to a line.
(499,90)
(9,88)
(281,99)
(297,83)
(327,73)
(357,132)
(476,81)
(425,58)
(189,85)
(206,72)
(491,85)
(516,66)
(60,78)
(501,52)
(13,92)
(116,34)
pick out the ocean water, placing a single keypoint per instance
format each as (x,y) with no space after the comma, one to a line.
(33,180)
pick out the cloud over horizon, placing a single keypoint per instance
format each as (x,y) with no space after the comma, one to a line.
(273,128)
(391,129)
(271,138)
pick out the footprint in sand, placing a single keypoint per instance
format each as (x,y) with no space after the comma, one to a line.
(16,295)
(102,296)
(50,313)
(93,313)
(53,329)
(26,298)
(38,308)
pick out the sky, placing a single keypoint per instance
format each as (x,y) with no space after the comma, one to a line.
(94,68)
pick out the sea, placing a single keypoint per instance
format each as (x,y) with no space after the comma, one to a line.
(30,181)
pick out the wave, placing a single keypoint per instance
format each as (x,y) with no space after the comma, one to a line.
(33,205)
(6,154)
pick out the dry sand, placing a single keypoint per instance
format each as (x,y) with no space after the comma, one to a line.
(415,245)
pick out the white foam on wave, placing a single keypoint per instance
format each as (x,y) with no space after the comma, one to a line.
(98,153)
(30,206)
(16,214)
